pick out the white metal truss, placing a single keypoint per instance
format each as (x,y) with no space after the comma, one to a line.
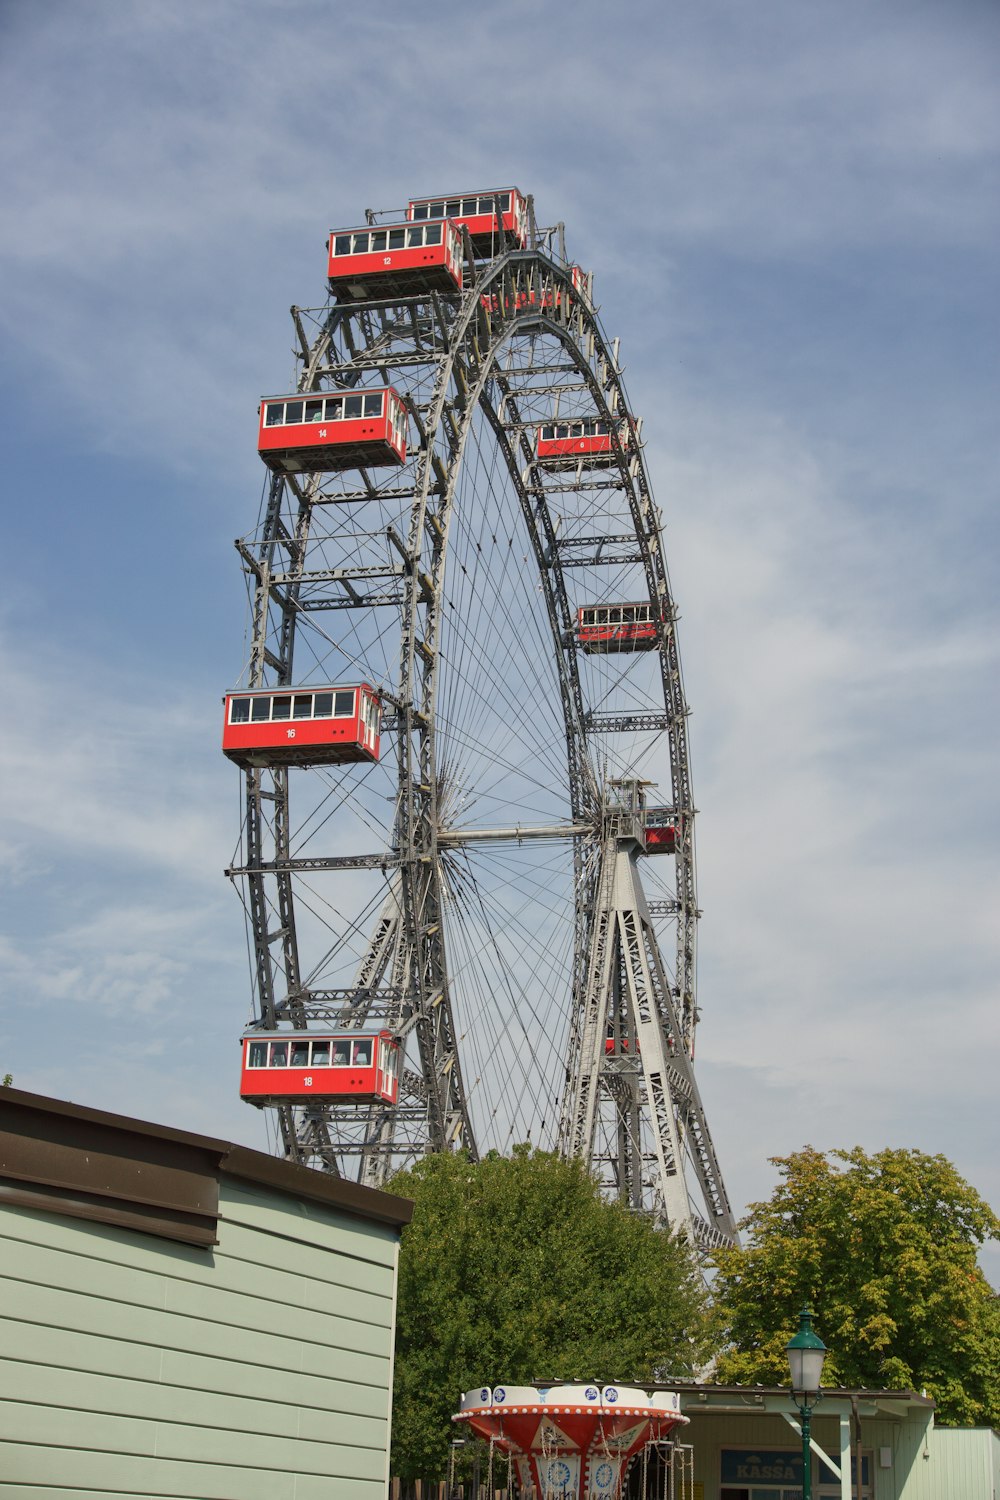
(632,1105)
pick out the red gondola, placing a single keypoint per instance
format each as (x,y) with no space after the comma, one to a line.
(496,221)
(314,432)
(661,832)
(286,726)
(546,300)
(583,282)
(610,1047)
(585,440)
(398,260)
(353,1066)
(604,628)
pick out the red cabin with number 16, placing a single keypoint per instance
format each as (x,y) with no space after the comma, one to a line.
(286,726)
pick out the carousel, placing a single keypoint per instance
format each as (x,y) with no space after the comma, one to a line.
(571,1442)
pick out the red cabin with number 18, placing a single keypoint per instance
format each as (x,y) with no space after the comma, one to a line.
(291,1066)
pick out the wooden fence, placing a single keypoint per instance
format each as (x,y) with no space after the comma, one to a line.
(439,1489)
(669,1476)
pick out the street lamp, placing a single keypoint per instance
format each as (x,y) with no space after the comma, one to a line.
(806,1352)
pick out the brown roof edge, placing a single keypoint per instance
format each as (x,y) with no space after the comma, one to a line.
(42,1104)
(685,1387)
(322,1187)
(232,1159)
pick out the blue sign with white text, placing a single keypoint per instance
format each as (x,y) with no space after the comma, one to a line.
(777,1466)
(761,1466)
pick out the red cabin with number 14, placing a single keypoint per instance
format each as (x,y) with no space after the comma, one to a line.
(318,433)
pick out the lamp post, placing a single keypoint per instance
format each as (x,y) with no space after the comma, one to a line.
(806,1352)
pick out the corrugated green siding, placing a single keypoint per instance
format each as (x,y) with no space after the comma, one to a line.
(926,1463)
(709,1434)
(135,1366)
(961,1465)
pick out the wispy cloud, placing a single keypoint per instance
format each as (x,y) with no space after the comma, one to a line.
(103,769)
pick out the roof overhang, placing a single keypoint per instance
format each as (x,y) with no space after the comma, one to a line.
(728,1400)
(86,1163)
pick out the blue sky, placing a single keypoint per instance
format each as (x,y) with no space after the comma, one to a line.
(791,214)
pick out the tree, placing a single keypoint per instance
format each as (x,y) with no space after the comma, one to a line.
(885,1249)
(516,1269)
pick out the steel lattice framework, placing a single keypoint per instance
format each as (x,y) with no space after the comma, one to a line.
(478,890)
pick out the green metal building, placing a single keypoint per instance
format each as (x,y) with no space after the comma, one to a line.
(747,1445)
(184,1317)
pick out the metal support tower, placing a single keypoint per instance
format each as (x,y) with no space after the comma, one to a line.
(632,1106)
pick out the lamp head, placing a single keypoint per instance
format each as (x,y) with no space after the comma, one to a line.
(806,1352)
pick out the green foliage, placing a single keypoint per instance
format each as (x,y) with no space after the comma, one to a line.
(516,1269)
(885,1248)
(8,1079)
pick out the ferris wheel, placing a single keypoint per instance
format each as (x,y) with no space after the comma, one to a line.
(467,858)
